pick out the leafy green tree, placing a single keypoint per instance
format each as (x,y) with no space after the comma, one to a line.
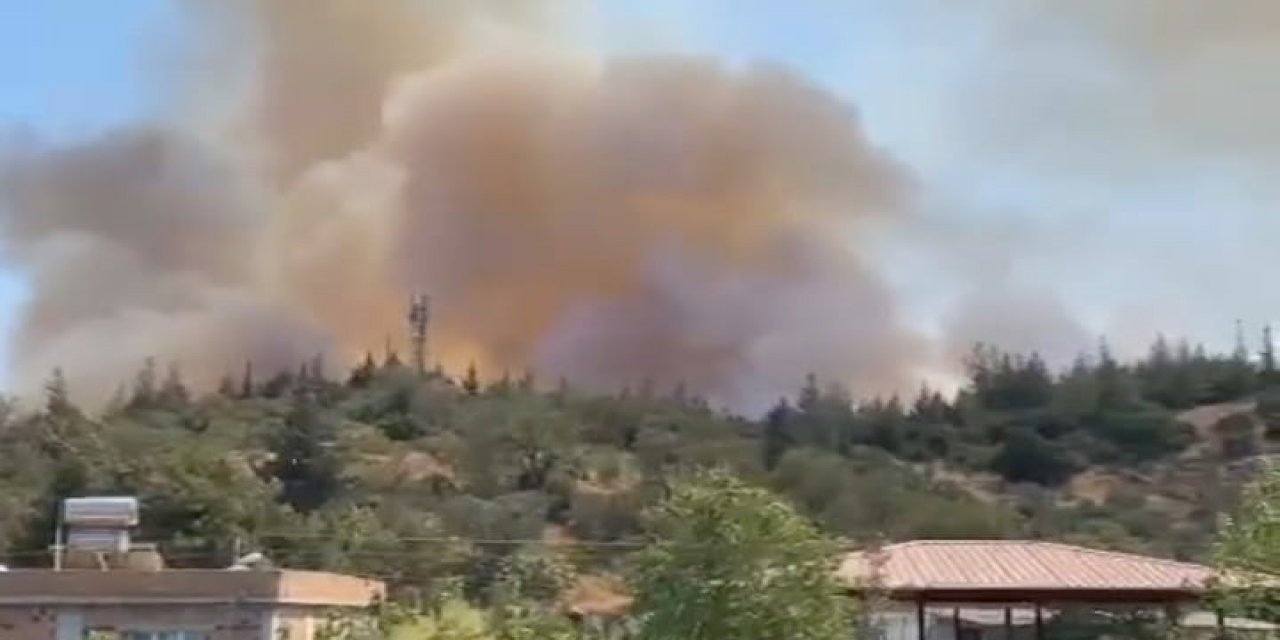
(1248,549)
(517,443)
(198,500)
(730,560)
(778,436)
(532,574)
(1026,457)
(303,461)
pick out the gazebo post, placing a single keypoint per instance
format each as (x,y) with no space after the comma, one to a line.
(955,623)
(1222,623)
(1039,622)
(920,632)
(1008,623)
(1173,616)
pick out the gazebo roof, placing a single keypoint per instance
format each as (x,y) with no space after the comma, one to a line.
(1021,570)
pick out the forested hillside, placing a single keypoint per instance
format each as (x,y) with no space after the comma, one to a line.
(418,479)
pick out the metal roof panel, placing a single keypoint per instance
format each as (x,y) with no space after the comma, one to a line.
(1017,564)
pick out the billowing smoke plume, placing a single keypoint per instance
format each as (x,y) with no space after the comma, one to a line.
(609,220)
(1147,132)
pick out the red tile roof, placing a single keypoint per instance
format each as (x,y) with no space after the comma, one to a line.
(1011,565)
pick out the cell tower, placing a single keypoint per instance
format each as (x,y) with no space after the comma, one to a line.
(1241,352)
(419,319)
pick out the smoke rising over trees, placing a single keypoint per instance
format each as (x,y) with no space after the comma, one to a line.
(604,219)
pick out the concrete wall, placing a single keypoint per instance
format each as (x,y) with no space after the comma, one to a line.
(328,589)
(225,605)
(48,623)
(189,586)
(219,622)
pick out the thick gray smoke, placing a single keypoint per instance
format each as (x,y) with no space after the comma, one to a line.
(606,219)
(1136,145)
(667,217)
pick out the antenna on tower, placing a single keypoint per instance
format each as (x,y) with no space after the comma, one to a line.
(419,319)
(1268,353)
(1241,352)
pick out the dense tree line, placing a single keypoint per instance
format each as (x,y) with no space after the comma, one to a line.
(434,483)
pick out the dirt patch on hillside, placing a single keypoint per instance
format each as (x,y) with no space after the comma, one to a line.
(1093,486)
(604,596)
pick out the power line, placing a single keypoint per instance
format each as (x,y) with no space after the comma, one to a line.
(467,540)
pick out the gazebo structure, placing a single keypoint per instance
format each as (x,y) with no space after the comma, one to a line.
(1015,589)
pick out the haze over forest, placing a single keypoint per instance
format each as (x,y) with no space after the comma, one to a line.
(615,213)
(846,272)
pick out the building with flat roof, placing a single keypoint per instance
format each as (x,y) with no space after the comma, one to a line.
(182,604)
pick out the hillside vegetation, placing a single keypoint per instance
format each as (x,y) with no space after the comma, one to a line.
(436,483)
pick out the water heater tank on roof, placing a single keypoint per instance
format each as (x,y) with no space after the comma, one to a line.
(106,512)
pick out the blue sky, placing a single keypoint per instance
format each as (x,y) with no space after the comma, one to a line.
(923,80)
(69,68)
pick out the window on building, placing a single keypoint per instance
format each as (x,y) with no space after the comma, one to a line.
(164,635)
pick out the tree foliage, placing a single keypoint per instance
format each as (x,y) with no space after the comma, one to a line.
(424,479)
(730,560)
(1248,549)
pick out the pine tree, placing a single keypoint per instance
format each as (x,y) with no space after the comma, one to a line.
(57,399)
(924,409)
(281,385)
(227,386)
(680,394)
(527,382)
(1161,356)
(173,392)
(144,386)
(646,391)
(778,436)
(1236,377)
(316,370)
(471,381)
(1105,360)
(810,394)
(1241,351)
(391,359)
(247,386)
(1268,355)
(363,374)
(503,386)
(561,393)
(302,462)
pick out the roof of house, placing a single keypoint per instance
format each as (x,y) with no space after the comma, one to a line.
(597,596)
(993,567)
(186,586)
